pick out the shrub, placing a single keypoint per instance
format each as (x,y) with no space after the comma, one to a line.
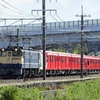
(10,93)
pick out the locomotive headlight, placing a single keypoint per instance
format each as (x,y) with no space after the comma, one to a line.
(3,49)
(16,49)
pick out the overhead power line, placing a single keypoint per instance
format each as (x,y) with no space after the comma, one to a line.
(10,9)
(20,11)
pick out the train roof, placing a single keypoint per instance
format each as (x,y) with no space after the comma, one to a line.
(9,49)
(71,55)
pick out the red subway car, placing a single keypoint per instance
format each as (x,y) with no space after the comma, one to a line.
(63,63)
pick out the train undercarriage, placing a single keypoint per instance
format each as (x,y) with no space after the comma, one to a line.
(33,73)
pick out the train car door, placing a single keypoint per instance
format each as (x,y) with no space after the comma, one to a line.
(56,61)
(59,68)
(78,63)
(95,64)
(51,62)
(92,63)
(67,63)
(9,57)
(70,62)
(98,64)
(73,63)
(88,64)
(63,62)
(85,64)
(48,62)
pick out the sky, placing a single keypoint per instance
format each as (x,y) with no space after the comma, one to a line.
(57,10)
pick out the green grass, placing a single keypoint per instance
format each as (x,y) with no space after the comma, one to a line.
(86,90)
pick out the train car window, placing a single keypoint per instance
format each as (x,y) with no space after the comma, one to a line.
(71,59)
(49,58)
(67,59)
(78,60)
(4,53)
(74,60)
(62,59)
(59,58)
(56,58)
(52,58)
(88,62)
(46,58)
(9,53)
(18,53)
(95,61)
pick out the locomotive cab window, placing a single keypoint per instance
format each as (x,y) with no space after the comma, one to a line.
(17,53)
(3,53)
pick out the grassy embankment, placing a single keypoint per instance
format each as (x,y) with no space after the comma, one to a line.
(87,90)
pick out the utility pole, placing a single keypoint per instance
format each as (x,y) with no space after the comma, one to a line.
(17,38)
(43,39)
(82,23)
(43,34)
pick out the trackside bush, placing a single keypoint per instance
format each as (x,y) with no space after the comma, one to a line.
(87,90)
(10,93)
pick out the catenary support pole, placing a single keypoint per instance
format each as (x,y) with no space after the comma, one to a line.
(43,39)
(82,23)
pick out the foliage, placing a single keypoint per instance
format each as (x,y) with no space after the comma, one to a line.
(10,93)
(29,94)
(76,52)
(60,50)
(86,90)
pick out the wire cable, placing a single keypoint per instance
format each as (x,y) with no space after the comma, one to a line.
(14,7)
(11,9)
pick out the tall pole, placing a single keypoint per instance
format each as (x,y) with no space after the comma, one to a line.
(43,35)
(81,63)
(17,37)
(82,23)
(43,39)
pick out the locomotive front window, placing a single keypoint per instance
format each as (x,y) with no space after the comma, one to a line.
(3,54)
(17,53)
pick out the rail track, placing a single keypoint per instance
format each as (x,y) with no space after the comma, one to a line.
(69,77)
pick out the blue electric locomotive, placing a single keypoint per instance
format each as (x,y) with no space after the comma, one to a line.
(16,62)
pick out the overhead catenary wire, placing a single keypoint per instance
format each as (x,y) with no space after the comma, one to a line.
(11,9)
(14,7)
(64,9)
